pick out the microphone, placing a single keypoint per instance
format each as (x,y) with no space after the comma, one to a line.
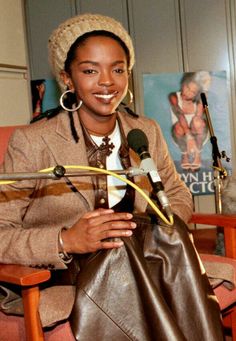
(138,141)
(206,110)
(204,100)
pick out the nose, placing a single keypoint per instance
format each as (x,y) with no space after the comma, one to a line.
(105,78)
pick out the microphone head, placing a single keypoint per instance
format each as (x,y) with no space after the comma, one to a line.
(137,140)
(204,100)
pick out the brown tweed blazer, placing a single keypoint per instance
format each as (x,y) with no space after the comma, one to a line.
(33,211)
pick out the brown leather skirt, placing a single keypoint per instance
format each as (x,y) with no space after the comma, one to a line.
(153,288)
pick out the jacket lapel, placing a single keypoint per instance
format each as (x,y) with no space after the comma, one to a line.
(66,152)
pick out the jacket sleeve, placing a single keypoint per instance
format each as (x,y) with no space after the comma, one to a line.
(177,192)
(29,246)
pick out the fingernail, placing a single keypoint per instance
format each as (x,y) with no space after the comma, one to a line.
(133,225)
(120,244)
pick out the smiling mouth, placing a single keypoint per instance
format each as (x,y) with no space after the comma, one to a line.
(106,96)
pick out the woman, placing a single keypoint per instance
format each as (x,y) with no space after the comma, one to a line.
(94,229)
(189,128)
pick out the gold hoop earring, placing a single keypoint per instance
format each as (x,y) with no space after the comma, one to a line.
(63,105)
(131,97)
(126,106)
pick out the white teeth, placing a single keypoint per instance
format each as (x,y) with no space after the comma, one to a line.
(104,96)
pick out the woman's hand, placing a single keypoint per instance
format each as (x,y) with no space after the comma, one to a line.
(93,230)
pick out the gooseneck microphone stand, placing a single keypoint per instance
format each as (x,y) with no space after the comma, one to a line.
(219,171)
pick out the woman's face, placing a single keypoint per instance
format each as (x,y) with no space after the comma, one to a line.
(189,91)
(99,76)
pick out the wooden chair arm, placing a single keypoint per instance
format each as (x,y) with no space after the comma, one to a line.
(228,222)
(23,275)
(225,220)
(29,279)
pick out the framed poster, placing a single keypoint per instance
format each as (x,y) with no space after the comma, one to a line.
(174,101)
(45,96)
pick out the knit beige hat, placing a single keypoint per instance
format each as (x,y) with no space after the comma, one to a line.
(66,34)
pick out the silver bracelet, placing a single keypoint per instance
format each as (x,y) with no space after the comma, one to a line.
(63,254)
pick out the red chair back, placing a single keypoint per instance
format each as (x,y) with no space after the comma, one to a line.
(5,134)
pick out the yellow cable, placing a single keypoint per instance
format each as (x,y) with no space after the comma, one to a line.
(108,172)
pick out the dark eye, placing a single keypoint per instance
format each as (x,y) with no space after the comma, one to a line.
(89,71)
(119,70)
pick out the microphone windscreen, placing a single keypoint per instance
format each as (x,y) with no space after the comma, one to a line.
(204,100)
(137,140)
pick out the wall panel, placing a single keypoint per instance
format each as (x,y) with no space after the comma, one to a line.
(205,35)
(114,8)
(14,102)
(155,28)
(12,37)
(14,90)
(42,18)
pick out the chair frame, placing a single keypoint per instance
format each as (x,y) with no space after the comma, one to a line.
(29,278)
(228,222)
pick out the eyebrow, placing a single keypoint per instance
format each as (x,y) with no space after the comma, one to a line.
(95,63)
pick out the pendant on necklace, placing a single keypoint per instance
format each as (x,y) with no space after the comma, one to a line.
(106,147)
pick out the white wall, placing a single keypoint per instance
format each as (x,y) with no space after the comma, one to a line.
(14,87)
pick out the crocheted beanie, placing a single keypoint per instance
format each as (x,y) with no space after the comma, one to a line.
(66,34)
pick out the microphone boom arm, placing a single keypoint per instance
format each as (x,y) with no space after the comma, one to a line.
(59,172)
